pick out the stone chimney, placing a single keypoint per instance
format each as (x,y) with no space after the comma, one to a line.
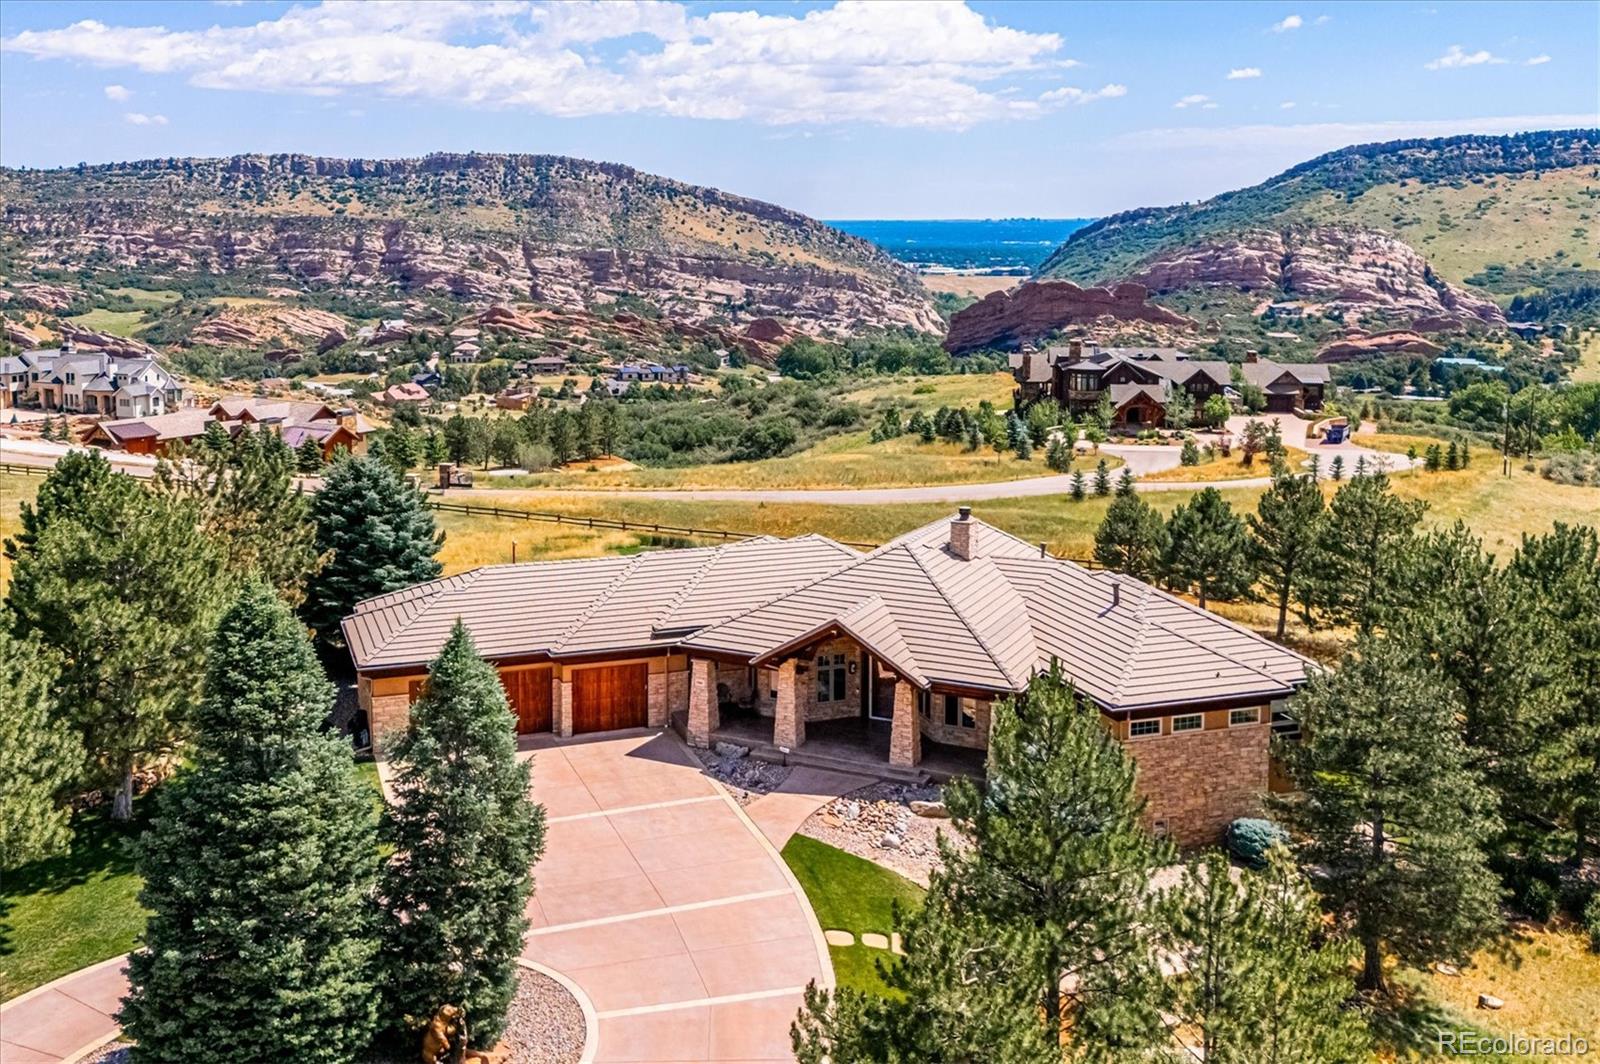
(961,534)
(1252,356)
(346,416)
(1075,349)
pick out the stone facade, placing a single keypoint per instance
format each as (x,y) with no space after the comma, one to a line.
(1198,781)
(387,702)
(656,699)
(678,690)
(561,703)
(905,733)
(788,716)
(810,695)
(976,737)
(704,715)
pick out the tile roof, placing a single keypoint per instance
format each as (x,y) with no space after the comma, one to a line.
(988,621)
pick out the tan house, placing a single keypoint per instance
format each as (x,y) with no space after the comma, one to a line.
(295,422)
(892,660)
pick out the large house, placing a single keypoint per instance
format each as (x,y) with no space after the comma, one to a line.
(1139,381)
(897,658)
(88,382)
(295,422)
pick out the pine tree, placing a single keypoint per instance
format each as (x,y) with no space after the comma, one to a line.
(1059,456)
(1336,470)
(1390,809)
(1190,454)
(611,428)
(1024,448)
(1125,483)
(1452,457)
(121,584)
(40,755)
(1256,987)
(376,535)
(465,837)
(1131,538)
(75,479)
(215,438)
(259,867)
(1207,549)
(1285,534)
(308,456)
(563,437)
(1179,409)
(1102,478)
(1314,468)
(1433,459)
(1363,567)
(1077,485)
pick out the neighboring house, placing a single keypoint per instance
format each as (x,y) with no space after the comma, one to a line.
(896,659)
(429,378)
(408,392)
(543,365)
(652,372)
(295,422)
(91,382)
(16,378)
(1138,381)
(516,398)
(466,353)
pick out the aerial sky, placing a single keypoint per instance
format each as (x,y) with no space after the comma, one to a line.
(875,109)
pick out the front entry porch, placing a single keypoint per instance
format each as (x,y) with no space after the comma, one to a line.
(854,744)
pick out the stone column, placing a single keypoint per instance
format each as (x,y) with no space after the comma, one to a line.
(704,717)
(905,733)
(788,721)
(560,704)
(656,699)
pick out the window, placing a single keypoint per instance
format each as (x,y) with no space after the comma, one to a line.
(954,715)
(1189,722)
(1244,716)
(1140,728)
(830,678)
(925,704)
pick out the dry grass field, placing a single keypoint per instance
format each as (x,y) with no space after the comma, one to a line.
(1548,978)
(968,284)
(1588,367)
(1229,468)
(930,393)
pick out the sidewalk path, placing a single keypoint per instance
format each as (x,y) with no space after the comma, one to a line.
(780,812)
(64,1020)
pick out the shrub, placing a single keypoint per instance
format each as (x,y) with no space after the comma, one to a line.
(1539,900)
(1591,921)
(1581,468)
(1249,839)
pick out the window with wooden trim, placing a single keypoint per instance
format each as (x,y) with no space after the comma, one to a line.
(955,715)
(1138,729)
(1237,717)
(1189,722)
(830,678)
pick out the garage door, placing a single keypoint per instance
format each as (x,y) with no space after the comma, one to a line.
(610,696)
(528,691)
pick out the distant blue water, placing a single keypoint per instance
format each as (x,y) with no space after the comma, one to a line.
(992,243)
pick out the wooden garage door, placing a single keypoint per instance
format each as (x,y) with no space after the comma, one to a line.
(528,691)
(610,696)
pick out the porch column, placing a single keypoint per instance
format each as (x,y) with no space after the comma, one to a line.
(905,733)
(788,726)
(560,703)
(704,715)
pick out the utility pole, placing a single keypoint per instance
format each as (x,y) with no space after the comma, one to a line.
(1505,437)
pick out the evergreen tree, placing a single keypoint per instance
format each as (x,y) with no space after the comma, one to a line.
(245,503)
(1256,988)
(1059,456)
(1285,535)
(1125,483)
(563,437)
(505,440)
(308,456)
(434,451)
(1077,485)
(1190,454)
(1207,549)
(456,438)
(465,837)
(1040,419)
(1336,470)
(1015,432)
(1314,468)
(1452,457)
(1363,568)
(974,437)
(215,438)
(259,867)
(1024,447)
(1390,809)
(611,428)
(1434,459)
(75,479)
(1180,409)
(1131,539)
(121,585)
(376,535)
(1102,478)
(40,756)
(1561,573)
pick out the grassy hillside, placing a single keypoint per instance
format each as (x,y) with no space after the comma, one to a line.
(1526,203)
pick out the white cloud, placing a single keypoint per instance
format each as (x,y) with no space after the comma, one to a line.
(1323,20)
(1455,58)
(1538,60)
(117,92)
(138,119)
(1293,22)
(1194,99)
(1240,73)
(1287,105)
(922,63)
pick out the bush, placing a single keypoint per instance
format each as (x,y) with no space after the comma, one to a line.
(1538,900)
(1581,468)
(1591,921)
(1250,838)
(535,457)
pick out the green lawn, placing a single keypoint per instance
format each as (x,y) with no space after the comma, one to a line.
(850,894)
(68,912)
(115,322)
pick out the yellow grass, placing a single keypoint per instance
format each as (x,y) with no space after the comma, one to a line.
(1588,367)
(966,284)
(235,302)
(930,393)
(1229,468)
(1549,980)
(115,322)
(15,489)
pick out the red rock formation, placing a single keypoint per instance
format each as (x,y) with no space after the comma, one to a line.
(120,346)
(1010,319)
(1360,346)
(258,326)
(767,331)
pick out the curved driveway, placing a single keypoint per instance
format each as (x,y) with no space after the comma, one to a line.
(665,905)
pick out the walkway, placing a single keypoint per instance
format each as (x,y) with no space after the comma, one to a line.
(665,905)
(64,1020)
(780,812)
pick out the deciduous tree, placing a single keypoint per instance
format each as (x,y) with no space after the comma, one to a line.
(258,868)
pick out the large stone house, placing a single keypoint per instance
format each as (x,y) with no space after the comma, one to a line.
(1139,381)
(894,661)
(89,382)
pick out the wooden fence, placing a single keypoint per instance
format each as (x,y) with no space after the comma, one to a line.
(723,534)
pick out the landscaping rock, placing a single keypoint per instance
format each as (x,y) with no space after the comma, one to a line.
(930,809)
(895,945)
(544,1022)
(748,778)
(731,751)
(839,938)
(890,841)
(1444,968)
(874,940)
(877,823)
(1489,1001)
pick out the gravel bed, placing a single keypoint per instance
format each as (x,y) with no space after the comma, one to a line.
(747,778)
(545,1024)
(876,823)
(114,1053)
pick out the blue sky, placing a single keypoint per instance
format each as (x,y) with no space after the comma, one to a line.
(848,110)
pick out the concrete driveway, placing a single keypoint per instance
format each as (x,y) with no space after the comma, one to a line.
(661,901)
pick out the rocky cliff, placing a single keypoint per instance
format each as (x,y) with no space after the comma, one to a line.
(1011,319)
(1344,269)
(473,229)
